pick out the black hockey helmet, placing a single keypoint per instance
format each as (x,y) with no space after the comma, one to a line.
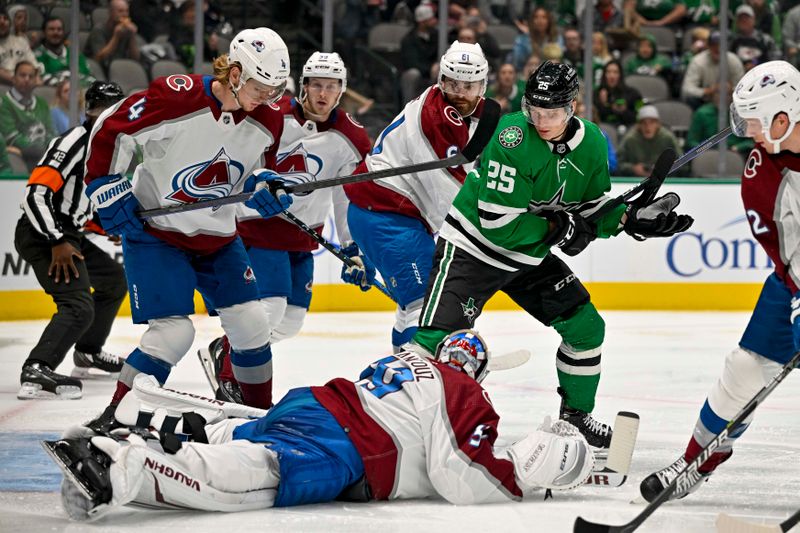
(552,85)
(102,94)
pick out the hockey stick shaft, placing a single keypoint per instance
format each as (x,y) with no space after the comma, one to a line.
(480,138)
(700,148)
(331,248)
(584,526)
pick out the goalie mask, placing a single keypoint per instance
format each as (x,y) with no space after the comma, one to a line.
(762,93)
(466,351)
(550,93)
(264,58)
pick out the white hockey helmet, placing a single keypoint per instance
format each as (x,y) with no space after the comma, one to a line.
(464,62)
(324,65)
(466,351)
(263,57)
(762,93)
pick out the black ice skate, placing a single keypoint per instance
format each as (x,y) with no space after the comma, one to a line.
(102,364)
(212,359)
(597,434)
(83,465)
(39,382)
(655,483)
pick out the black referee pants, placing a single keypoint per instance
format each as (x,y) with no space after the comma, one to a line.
(83,318)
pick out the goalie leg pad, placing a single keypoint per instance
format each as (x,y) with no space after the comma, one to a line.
(556,456)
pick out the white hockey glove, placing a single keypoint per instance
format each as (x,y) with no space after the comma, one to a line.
(556,456)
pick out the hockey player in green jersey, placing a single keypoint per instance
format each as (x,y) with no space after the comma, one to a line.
(542,173)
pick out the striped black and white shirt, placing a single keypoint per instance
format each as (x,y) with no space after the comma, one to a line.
(55,202)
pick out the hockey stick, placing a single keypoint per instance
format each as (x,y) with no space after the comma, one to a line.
(509,360)
(682,479)
(665,165)
(620,453)
(332,249)
(731,524)
(483,133)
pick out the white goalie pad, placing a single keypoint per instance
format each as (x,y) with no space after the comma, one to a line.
(150,404)
(556,456)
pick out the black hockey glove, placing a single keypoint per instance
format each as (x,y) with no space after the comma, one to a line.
(569,231)
(656,219)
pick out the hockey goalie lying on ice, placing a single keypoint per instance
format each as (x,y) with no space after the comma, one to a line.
(411,426)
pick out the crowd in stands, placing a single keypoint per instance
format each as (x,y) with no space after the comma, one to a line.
(646,52)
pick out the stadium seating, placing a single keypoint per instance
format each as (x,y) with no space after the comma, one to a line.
(705,164)
(652,88)
(128,73)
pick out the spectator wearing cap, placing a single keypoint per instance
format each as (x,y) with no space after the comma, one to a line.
(116,39)
(751,45)
(13,49)
(642,145)
(54,54)
(18,14)
(702,75)
(419,50)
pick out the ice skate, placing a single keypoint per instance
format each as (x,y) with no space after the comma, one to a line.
(39,382)
(212,359)
(84,466)
(597,434)
(105,422)
(96,365)
(655,483)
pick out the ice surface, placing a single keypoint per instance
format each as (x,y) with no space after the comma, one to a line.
(659,365)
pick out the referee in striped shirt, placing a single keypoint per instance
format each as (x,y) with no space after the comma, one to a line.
(50,236)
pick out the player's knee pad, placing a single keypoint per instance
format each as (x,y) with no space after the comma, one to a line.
(246,325)
(168,339)
(276,309)
(745,373)
(583,330)
(291,324)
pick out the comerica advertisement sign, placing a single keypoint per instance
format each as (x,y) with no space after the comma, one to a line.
(718,251)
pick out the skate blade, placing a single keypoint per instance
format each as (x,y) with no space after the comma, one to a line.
(207,363)
(90,372)
(51,447)
(34,391)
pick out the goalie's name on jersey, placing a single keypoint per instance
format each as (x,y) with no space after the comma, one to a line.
(192,151)
(771,197)
(427,129)
(322,150)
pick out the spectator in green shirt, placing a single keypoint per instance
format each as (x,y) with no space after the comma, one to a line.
(616,102)
(508,89)
(659,12)
(54,54)
(25,121)
(647,61)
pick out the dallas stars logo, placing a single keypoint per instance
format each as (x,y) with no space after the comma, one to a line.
(555,202)
(470,309)
(510,137)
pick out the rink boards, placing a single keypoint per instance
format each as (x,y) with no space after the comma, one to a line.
(716,265)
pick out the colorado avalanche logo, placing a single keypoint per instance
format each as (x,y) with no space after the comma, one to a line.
(299,165)
(258,45)
(206,180)
(179,82)
(768,79)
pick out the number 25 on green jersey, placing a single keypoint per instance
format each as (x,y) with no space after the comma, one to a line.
(500,177)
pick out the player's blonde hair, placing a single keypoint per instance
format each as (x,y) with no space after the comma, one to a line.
(222,69)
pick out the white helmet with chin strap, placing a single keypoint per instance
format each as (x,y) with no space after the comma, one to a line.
(324,65)
(762,93)
(263,57)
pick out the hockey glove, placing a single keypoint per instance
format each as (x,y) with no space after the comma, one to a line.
(362,273)
(264,201)
(113,198)
(569,231)
(795,318)
(656,219)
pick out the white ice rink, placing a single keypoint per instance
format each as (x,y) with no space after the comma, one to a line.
(659,365)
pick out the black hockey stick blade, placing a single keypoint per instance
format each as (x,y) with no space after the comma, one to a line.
(648,187)
(480,138)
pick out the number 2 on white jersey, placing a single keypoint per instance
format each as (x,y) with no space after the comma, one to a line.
(504,174)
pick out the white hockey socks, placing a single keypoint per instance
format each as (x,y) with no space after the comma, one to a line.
(556,456)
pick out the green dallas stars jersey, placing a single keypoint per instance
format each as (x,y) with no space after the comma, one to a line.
(493,216)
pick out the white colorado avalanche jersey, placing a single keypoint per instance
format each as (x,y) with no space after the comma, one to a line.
(427,129)
(422,429)
(316,151)
(191,150)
